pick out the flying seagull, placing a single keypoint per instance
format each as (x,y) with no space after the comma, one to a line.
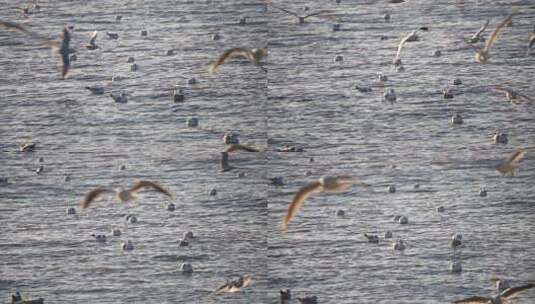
(513,96)
(509,165)
(122,195)
(332,184)
(301,19)
(234,286)
(253,55)
(62,47)
(483,54)
(502,298)
(410,37)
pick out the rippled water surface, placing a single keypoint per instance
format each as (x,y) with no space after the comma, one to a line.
(306,99)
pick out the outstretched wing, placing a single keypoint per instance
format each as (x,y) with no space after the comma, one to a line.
(513,291)
(481,30)
(93,38)
(227,54)
(147,184)
(402,44)
(509,164)
(313,14)
(474,300)
(494,36)
(286,11)
(92,196)
(298,201)
(236,147)
(64,52)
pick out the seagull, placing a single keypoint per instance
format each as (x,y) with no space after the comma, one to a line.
(234,286)
(121,98)
(333,184)
(236,147)
(308,300)
(92,45)
(285,295)
(531,41)
(62,48)
(113,36)
(409,38)
(502,284)
(482,54)
(477,36)
(301,19)
(254,55)
(122,195)
(513,96)
(27,147)
(502,298)
(97,90)
(510,164)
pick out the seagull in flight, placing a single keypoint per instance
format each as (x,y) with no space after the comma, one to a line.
(123,195)
(253,55)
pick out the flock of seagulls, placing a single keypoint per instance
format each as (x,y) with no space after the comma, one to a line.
(325,184)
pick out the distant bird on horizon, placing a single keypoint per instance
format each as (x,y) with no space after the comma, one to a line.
(235,285)
(483,54)
(123,195)
(503,298)
(61,48)
(329,184)
(92,44)
(509,165)
(301,19)
(253,55)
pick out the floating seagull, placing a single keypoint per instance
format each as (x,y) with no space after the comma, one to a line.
(482,54)
(127,246)
(510,164)
(398,245)
(286,295)
(236,147)
(97,90)
(456,240)
(121,98)
(253,55)
(372,238)
(502,298)
(62,48)
(500,138)
(123,195)
(512,96)
(17,299)
(301,19)
(113,36)
(92,45)
(333,184)
(477,36)
(234,286)
(502,284)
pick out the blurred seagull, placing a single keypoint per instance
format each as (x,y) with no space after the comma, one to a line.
(502,298)
(254,55)
(301,19)
(122,195)
(62,47)
(482,54)
(410,37)
(512,96)
(234,286)
(92,45)
(333,184)
(477,36)
(509,165)
(237,147)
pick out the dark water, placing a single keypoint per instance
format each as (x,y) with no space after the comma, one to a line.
(306,99)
